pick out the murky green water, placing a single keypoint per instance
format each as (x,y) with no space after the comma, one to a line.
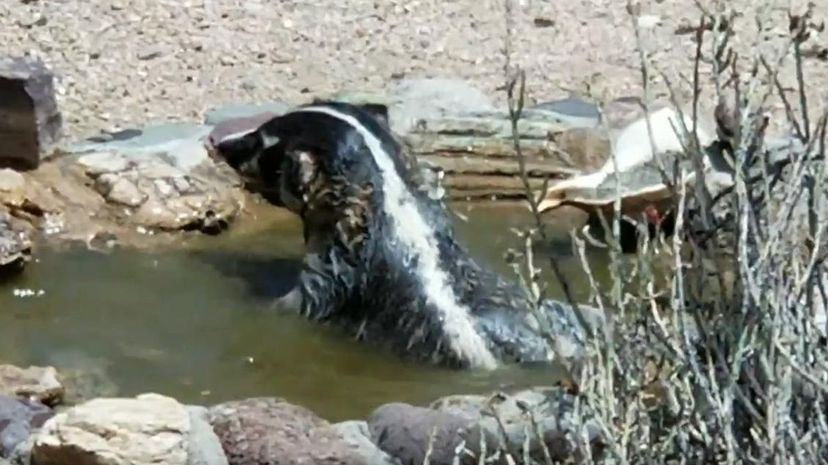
(195,324)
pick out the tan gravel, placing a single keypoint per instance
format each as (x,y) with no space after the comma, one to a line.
(124,62)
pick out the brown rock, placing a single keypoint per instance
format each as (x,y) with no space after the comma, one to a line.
(30,123)
(271,431)
(36,383)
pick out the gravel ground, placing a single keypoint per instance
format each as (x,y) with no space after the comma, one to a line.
(122,62)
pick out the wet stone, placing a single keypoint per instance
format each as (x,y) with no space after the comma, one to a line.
(30,122)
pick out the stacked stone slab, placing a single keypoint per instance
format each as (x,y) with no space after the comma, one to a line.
(30,122)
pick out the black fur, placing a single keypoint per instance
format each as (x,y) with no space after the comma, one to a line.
(356,275)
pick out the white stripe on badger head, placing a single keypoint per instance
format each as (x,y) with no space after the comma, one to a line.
(411,228)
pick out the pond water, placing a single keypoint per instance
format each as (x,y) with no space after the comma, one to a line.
(195,324)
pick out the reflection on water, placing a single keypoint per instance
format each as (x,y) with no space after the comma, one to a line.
(196,324)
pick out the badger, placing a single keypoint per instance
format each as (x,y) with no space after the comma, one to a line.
(382,261)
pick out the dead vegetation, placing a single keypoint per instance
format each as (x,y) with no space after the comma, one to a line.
(724,361)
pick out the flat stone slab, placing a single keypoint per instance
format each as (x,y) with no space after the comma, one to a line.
(30,122)
(232,111)
(180,144)
(575,111)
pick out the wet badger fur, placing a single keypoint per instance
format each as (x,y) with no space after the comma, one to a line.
(381,259)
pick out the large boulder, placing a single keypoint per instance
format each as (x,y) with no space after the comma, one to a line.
(30,123)
(148,429)
(36,383)
(18,418)
(271,431)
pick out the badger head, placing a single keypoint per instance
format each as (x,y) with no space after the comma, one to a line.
(314,165)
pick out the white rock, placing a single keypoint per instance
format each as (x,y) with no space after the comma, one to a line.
(148,429)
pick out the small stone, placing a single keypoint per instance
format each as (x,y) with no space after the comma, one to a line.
(150,53)
(37,383)
(145,430)
(120,190)
(30,123)
(648,21)
(104,162)
(10,182)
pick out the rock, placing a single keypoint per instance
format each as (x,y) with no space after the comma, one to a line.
(575,111)
(179,144)
(148,429)
(476,151)
(30,123)
(203,446)
(405,431)
(413,99)
(236,111)
(18,418)
(15,248)
(408,432)
(263,431)
(553,410)
(357,435)
(35,383)
(164,176)
(11,184)
(84,377)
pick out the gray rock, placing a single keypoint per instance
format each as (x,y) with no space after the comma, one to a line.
(203,446)
(15,247)
(552,409)
(575,111)
(413,99)
(30,123)
(357,435)
(233,111)
(180,144)
(412,433)
(265,431)
(18,418)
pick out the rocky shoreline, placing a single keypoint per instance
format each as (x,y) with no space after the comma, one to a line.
(38,427)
